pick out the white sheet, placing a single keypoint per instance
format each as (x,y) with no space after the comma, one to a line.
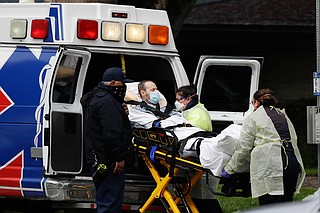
(215,152)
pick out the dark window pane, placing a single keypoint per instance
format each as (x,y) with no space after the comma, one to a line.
(226,88)
(66,79)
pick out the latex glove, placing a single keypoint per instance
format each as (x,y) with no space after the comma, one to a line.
(225,174)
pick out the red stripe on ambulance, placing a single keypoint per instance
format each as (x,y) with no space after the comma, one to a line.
(5,101)
(11,175)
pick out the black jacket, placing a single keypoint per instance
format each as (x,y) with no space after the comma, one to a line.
(108,127)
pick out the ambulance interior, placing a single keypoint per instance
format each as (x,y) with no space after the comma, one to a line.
(220,92)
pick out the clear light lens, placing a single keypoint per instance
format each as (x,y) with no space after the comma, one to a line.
(135,33)
(111,31)
(18,28)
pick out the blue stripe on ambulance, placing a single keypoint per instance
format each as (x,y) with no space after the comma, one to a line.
(49,38)
(56,12)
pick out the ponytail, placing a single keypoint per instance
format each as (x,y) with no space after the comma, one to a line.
(265,97)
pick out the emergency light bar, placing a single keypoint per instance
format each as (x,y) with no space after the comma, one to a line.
(89,29)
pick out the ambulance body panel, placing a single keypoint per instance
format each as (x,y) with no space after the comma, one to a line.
(53,53)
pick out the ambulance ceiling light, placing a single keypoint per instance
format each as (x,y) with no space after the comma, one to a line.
(18,28)
(39,28)
(87,29)
(158,34)
(111,31)
(26,1)
(135,33)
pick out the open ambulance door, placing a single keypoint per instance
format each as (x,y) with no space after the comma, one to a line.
(226,85)
(66,138)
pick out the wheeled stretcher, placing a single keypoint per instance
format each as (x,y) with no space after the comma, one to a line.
(158,145)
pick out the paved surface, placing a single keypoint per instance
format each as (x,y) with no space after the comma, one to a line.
(310,181)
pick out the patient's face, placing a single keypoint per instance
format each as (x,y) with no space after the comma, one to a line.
(149,87)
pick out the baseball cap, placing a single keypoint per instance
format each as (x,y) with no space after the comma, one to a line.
(116,74)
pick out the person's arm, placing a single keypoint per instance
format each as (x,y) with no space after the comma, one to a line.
(245,144)
(141,117)
(112,127)
(173,120)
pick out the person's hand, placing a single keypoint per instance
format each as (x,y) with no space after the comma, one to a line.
(119,167)
(225,174)
(125,107)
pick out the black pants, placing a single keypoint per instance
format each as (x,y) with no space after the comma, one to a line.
(207,205)
(291,170)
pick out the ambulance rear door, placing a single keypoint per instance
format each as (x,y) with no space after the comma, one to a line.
(66,138)
(226,85)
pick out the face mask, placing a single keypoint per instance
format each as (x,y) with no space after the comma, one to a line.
(154,97)
(119,91)
(179,106)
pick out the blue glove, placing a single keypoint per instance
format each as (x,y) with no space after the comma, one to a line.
(225,174)
(156,124)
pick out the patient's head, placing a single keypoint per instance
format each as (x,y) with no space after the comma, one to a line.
(149,92)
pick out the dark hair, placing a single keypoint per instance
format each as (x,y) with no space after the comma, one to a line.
(265,97)
(187,91)
(142,85)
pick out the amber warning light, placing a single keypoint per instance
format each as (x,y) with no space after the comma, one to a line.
(158,34)
(119,15)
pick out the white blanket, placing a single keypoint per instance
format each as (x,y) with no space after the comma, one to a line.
(215,152)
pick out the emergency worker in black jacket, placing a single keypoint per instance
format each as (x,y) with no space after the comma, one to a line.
(108,137)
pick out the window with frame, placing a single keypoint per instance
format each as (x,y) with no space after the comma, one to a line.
(66,78)
(226,88)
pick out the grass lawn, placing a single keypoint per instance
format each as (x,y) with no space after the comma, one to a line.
(233,204)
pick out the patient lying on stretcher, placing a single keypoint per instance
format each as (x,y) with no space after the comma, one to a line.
(214,152)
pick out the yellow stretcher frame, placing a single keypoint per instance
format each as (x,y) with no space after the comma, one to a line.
(161,191)
(161,146)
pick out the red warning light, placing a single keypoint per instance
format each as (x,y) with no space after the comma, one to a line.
(87,29)
(39,28)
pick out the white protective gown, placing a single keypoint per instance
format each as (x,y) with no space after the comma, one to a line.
(260,143)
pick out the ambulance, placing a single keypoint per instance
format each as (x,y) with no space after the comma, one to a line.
(53,53)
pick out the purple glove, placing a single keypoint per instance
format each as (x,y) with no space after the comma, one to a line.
(225,174)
